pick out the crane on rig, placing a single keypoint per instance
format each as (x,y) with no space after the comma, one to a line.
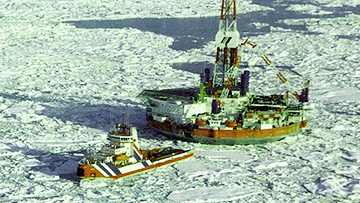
(282,78)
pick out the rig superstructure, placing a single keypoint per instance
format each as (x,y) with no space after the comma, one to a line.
(222,110)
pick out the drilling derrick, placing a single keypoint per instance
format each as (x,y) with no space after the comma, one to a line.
(227,41)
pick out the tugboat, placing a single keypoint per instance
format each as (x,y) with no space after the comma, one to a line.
(222,110)
(122,156)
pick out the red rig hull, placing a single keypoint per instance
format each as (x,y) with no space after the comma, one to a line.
(224,136)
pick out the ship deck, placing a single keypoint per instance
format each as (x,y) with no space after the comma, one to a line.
(185,95)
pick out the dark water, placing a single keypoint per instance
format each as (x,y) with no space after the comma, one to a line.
(192,33)
(196,67)
(195,32)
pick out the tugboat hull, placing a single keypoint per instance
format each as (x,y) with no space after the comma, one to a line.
(110,171)
(121,156)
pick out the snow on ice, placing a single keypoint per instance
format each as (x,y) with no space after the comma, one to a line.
(211,194)
(69,69)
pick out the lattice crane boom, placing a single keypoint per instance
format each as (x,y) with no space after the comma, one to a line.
(282,78)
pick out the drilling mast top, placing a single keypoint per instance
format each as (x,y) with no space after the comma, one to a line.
(228,34)
(227,41)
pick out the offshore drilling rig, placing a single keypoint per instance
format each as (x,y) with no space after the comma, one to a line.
(222,110)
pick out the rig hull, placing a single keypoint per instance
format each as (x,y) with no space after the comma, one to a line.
(247,119)
(228,137)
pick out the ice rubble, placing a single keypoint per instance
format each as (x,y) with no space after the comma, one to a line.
(59,85)
(336,3)
(107,9)
(211,194)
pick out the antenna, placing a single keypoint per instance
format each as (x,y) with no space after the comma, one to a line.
(203,74)
(89,153)
(128,118)
(111,121)
(123,125)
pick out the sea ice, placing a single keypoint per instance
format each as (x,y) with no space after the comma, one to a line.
(40,176)
(62,86)
(33,162)
(211,194)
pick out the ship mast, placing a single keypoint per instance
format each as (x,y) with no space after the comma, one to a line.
(89,154)
(227,42)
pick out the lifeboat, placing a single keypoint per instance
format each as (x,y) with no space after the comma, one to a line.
(200,122)
(230,124)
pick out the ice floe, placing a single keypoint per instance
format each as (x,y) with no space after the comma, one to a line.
(211,194)
(62,87)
